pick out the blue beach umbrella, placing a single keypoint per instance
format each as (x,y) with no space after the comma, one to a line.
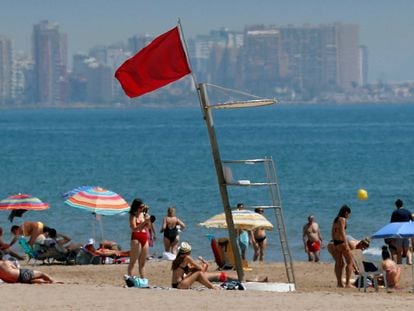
(397,230)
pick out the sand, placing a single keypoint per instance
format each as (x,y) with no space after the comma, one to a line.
(101,287)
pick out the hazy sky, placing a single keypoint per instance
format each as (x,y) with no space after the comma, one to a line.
(386,26)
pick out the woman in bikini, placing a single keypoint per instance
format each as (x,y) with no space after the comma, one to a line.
(170,230)
(139,221)
(342,249)
(185,271)
(259,240)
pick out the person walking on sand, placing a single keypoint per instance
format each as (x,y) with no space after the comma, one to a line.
(342,249)
(139,222)
(259,240)
(312,239)
(171,227)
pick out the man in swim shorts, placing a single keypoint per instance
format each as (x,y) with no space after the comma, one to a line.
(10,273)
(312,239)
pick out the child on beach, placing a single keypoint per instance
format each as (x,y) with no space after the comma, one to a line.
(392,270)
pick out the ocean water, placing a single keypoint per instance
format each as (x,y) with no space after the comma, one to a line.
(323,155)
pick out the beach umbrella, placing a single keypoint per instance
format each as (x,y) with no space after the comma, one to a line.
(243,219)
(18,204)
(98,201)
(74,191)
(397,230)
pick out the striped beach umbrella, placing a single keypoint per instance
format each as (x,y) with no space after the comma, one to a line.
(243,219)
(74,191)
(20,203)
(99,201)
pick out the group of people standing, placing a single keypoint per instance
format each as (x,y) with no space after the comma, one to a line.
(341,246)
(142,228)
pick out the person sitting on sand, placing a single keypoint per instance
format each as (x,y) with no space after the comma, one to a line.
(28,229)
(392,270)
(10,273)
(63,241)
(6,249)
(185,271)
(224,276)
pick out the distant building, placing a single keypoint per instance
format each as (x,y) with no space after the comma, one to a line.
(214,56)
(363,64)
(50,64)
(260,60)
(308,60)
(6,71)
(348,64)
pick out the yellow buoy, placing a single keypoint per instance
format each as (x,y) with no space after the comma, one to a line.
(362,194)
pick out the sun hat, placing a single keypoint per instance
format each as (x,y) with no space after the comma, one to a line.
(184,248)
(90,242)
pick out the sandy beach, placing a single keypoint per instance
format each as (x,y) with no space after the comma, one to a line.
(101,287)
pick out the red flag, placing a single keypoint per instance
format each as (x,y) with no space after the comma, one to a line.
(159,63)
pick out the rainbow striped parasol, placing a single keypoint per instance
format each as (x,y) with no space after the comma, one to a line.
(99,201)
(18,204)
(23,201)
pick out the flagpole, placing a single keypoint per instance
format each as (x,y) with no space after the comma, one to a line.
(180,28)
(208,118)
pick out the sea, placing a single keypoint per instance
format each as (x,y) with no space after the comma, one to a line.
(323,154)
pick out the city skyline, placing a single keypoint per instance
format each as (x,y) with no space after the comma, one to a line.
(385,26)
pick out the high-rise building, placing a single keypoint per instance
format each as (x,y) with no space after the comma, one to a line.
(6,71)
(260,59)
(363,64)
(348,74)
(50,64)
(214,56)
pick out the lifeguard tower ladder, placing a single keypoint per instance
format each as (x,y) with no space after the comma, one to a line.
(225,180)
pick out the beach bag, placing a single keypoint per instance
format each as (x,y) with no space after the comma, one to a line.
(133,281)
(232,285)
(360,281)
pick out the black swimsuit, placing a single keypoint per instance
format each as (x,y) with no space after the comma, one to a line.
(260,240)
(186,270)
(171,234)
